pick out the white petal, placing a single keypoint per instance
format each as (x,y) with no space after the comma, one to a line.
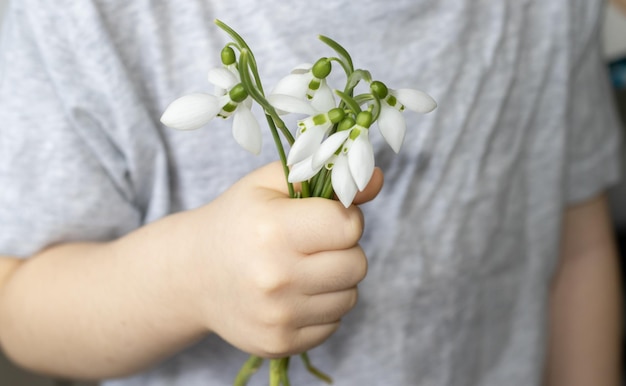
(324,98)
(222,78)
(246,130)
(191,111)
(294,85)
(329,147)
(361,160)
(302,68)
(306,144)
(415,100)
(302,171)
(291,104)
(343,185)
(392,126)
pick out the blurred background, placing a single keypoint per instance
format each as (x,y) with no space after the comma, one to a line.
(614,36)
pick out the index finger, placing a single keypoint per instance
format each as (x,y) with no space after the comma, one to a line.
(318,224)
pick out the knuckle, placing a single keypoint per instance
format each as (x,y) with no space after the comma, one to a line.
(267,233)
(271,280)
(278,345)
(278,318)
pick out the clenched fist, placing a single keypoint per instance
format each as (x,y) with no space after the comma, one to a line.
(277,274)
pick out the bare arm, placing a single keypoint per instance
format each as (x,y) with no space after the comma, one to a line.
(271,275)
(585,328)
(117,308)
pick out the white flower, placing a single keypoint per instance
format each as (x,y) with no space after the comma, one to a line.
(195,110)
(349,155)
(303,84)
(391,123)
(343,184)
(353,168)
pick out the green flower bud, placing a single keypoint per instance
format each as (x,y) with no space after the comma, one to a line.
(238,93)
(346,124)
(364,119)
(321,69)
(379,89)
(228,56)
(336,115)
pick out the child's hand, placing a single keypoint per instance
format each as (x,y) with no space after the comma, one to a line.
(278,274)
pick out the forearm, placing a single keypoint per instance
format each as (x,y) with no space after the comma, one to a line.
(585,328)
(99,310)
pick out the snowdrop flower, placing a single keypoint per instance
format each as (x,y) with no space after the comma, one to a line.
(311,130)
(391,123)
(195,110)
(309,83)
(349,155)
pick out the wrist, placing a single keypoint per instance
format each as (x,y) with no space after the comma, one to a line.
(161,256)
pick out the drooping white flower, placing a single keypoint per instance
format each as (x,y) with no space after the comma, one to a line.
(391,123)
(392,126)
(352,168)
(195,110)
(361,159)
(343,184)
(349,155)
(308,82)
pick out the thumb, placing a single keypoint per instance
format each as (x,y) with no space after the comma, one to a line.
(272,177)
(372,189)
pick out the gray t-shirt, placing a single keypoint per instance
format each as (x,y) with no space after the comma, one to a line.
(462,241)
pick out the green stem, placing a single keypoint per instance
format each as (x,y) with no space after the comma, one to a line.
(327,191)
(256,92)
(245,61)
(314,370)
(285,371)
(313,181)
(281,154)
(343,53)
(247,370)
(274,372)
(306,189)
(354,79)
(319,183)
(278,372)
(343,64)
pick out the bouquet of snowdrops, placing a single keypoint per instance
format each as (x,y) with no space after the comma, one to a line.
(330,153)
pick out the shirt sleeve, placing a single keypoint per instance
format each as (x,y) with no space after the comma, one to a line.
(594,141)
(53,189)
